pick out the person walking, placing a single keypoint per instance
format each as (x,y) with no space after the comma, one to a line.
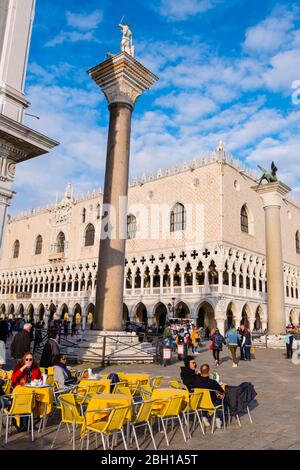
(21,343)
(195,337)
(51,349)
(247,343)
(241,332)
(288,339)
(217,345)
(233,340)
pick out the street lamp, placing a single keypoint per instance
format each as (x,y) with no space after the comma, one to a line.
(171,307)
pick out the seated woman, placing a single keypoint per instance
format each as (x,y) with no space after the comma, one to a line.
(62,375)
(26,371)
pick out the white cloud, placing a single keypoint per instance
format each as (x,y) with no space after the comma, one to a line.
(73,36)
(283,71)
(187,106)
(271,34)
(84,22)
(71,116)
(177,10)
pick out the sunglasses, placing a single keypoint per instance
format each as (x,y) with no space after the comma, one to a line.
(28,360)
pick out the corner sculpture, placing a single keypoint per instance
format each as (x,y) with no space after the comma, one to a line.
(269,176)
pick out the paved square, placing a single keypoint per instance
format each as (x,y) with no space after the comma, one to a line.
(276,415)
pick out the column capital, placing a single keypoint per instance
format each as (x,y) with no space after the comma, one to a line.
(122,79)
(271,194)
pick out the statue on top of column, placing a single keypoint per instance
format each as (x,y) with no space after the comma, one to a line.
(269,176)
(126,43)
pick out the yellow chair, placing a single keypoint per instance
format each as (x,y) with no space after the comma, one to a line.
(70,414)
(206,404)
(194,407)
(170,408)
(143,418)
(145,391)
(122,387)
(21,407)
(156,381)
(108,425)
(178,385)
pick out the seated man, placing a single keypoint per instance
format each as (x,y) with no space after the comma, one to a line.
(194,379)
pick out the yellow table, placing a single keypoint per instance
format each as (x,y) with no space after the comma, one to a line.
(170,392)
(89,382)
(106,400)
(134,378)
(44,398)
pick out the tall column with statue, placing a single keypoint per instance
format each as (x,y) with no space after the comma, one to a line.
(122,79)
(272,195)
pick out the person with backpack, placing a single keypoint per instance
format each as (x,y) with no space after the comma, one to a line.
(233,341)
(288,339)
(217,344)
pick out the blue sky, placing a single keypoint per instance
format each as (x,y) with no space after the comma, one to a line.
(225,69)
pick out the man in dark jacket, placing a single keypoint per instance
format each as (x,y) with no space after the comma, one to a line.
(193,379)
(21,343)
(51,349)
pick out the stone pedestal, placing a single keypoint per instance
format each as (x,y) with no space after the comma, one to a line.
(271,195)
(113,347)
(122,79)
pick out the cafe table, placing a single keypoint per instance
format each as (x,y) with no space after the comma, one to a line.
(44,398)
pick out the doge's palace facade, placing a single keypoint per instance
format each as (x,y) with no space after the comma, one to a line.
(207,264)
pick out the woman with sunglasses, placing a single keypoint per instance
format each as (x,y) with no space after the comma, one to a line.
(26,371)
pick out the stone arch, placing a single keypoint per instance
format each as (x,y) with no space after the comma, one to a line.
(52,311)
(126,316)
(182,310)
(246,315)
(64,312)
(41,312)
(259,315)
(11,310)
(294,317)
(3,309)
(90,315)
(77,314)
(206,315)
(21,310)
(160,315)
(140,313)
(30,313)
(231,314)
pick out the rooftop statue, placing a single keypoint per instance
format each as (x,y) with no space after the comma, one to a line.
(269,176)
(126,43)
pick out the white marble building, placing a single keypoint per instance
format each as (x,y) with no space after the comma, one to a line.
(217,274)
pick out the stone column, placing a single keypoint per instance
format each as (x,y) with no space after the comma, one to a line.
(122,79)
(271,195)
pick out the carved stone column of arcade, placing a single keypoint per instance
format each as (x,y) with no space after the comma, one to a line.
(122,79)
(272,197)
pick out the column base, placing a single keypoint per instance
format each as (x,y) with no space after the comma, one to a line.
(273,342)
(121,347)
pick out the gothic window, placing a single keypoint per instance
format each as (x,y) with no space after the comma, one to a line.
(61,241)
(131,227)
(83,215)
(89,235)
(178,218)
(244,219)
(98,211)
(297,237)
(16,249)
(38,245)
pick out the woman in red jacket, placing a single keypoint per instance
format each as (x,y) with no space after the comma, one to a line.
(26,371)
